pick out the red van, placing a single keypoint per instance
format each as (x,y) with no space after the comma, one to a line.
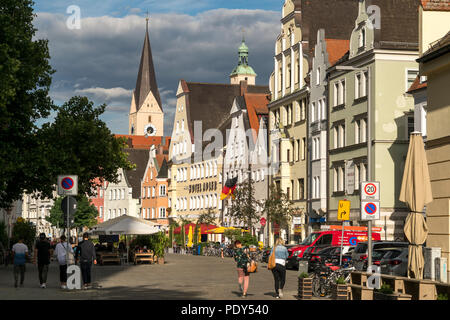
(330,236)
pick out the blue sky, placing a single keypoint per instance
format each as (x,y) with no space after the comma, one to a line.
(194,40)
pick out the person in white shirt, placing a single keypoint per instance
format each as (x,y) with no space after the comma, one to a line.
(61,255)
(279,272)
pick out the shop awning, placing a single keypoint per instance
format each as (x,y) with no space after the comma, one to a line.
(204,228)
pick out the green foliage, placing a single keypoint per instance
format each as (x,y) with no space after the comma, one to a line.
(85,216)
(159,243)
(243,206)
(232,234)
(340,280)
(3,234)
(247,239)
(79,142)
(25,78)
(442,296)
(278,207)
(303,275)
(385,288)
(24,230)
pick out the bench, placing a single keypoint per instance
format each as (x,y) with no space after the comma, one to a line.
(143,257)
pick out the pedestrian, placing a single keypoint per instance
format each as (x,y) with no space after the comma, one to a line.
(242,258)
(279,272)
(19,255)
(222,248)
(61,255)
(42,252)
(86,252)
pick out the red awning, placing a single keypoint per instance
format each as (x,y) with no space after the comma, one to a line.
(204,228)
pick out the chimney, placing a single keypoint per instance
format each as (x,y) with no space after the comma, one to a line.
(243,84)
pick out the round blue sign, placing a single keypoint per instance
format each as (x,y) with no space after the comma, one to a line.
(370,208)
(67,183)
(353,241)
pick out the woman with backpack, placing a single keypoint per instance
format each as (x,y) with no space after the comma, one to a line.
(279,271)
(61,255)
(242,258)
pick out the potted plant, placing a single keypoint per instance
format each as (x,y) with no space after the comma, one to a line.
(442,296)
(159,244)
(339,289)
(384,293)
(304,286)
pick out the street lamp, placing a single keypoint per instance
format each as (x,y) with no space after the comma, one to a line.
(369,145)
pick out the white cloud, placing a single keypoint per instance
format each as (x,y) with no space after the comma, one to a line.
(102,58)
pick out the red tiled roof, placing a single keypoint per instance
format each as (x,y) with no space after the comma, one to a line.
(417,85)
(256,105)
(143,142)
(436,5)
(336,48)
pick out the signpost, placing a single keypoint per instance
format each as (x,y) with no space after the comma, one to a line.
(68,186)
(370,201)
(344,215)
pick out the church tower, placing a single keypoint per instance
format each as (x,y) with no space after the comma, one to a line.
(146,115)
(243,71)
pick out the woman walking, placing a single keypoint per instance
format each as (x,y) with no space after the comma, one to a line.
(279,272)
(61,254)
(242,258)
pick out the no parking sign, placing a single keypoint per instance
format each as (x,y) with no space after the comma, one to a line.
(67,185)
(370,210)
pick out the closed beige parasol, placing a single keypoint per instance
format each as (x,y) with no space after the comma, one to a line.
(416,192)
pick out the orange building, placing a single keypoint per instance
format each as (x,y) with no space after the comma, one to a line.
(99,200)
(155,187)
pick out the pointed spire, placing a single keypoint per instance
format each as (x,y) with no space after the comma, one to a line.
(146,80)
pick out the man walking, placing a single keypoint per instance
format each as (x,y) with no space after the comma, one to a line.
(42,252)
(86,252)
(20,254)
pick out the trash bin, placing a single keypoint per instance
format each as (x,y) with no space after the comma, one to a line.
(302,266)
(199,250)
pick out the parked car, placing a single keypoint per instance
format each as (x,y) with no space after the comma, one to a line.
(322,239)
(395,262)
(329,254)
(360,254)
(377,255)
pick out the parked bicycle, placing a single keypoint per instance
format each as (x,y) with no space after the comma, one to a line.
(326,274)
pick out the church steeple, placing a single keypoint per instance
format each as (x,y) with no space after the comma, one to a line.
(146,114)
(243,71)
(146,80)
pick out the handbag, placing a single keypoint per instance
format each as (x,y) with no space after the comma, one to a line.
(252,266)
(271,264)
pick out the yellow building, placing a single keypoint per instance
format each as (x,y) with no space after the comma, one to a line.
(287,119)
(435,65)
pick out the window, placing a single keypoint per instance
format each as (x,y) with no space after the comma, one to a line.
(318,76)
(153,192)
(338,178)
(182,126)
(362,38)
(336,94)
(303,148)
(410,125)
(162,190)
(313,112)
(360,131)
(162,212)
(123,194)
(288,75)
(410,77)
(101,212)
(339,135)
(301,189)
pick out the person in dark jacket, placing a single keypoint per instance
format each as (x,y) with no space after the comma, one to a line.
(242,258)
(86,253)
(42,253)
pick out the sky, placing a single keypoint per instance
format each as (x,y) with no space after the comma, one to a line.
(194,40)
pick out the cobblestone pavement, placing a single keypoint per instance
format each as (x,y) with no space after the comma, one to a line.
(182,277)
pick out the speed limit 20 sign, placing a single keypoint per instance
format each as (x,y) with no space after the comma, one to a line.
(370,191)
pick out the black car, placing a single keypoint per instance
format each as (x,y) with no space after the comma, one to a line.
(328,254)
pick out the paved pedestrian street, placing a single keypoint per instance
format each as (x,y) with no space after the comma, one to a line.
(182,277)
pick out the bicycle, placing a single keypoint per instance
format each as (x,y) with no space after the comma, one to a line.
(325,275)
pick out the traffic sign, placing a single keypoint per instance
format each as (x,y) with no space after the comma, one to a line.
(370,210)
(67,185)
(69,206)
(370,190)
(262,222)
(344,210)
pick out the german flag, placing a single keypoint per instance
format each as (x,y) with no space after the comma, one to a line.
(228,188)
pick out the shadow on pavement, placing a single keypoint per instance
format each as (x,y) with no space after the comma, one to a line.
(145,293)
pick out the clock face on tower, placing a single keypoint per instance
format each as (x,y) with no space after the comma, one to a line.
(150,130)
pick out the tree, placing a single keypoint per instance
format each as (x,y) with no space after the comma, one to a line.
(3,234)
(24,230)
(85,215)
(79,143)
(278,208)
(244,206)
(25,78)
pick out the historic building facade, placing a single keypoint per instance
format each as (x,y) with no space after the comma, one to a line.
(386,55)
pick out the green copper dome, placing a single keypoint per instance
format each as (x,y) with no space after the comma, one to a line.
(243,67)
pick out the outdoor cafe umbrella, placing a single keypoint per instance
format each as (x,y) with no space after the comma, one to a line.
(189,244)
(416,192)
(126,225)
